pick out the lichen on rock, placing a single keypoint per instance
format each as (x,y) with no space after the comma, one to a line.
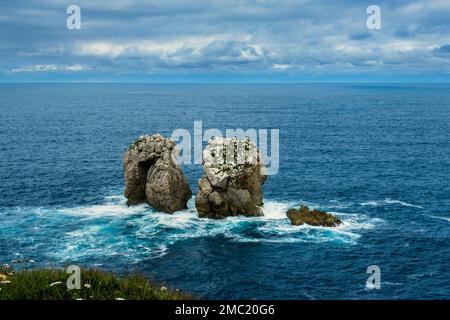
(232,179)
(153,175)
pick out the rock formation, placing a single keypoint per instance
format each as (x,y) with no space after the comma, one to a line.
(312,217)
(232,179)
(152,175)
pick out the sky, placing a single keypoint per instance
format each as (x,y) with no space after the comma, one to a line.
(224,41)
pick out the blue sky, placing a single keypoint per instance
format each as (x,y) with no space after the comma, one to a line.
(224,41)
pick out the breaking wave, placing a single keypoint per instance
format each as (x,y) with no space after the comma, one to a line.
(377,203)
(441,218)
(137,233)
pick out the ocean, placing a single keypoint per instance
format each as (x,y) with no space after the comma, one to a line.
(376,155)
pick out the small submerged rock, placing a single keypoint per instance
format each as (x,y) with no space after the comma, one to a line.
(152,175)
(312,217)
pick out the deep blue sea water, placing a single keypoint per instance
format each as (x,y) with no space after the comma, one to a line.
(377,155)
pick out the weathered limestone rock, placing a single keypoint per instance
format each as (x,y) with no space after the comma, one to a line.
(152,175)
(232,180)
(312,217)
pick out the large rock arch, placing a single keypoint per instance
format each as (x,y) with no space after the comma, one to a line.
(152,175)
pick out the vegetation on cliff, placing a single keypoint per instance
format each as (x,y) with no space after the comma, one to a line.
(50,284)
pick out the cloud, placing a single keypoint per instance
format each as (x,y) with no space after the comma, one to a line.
(234,37)
(216,53)
(443,49)
(50,68)
(280,67)
(146,47)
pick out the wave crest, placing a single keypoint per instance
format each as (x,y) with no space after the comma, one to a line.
(140,233)
(377,203)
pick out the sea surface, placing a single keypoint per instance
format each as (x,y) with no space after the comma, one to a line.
(376,155)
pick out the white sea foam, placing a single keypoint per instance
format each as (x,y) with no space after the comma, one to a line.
(139,232)
(335,204)
(90,230)
(105,210)
(441,218)
(275,210)
(377,203)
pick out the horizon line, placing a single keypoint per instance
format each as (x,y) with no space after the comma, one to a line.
(227,82)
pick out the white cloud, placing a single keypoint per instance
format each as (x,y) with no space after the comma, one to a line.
(144,47)
(50,68)
(280,67)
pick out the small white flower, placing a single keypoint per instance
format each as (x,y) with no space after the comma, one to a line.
(87,285)
(78,299)
(163,288)
(55,283)
(5,282)
(120,299)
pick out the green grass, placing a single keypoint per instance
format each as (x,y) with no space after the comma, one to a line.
(95,285)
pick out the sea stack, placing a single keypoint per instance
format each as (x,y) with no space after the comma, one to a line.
(153,175)
(232,181)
